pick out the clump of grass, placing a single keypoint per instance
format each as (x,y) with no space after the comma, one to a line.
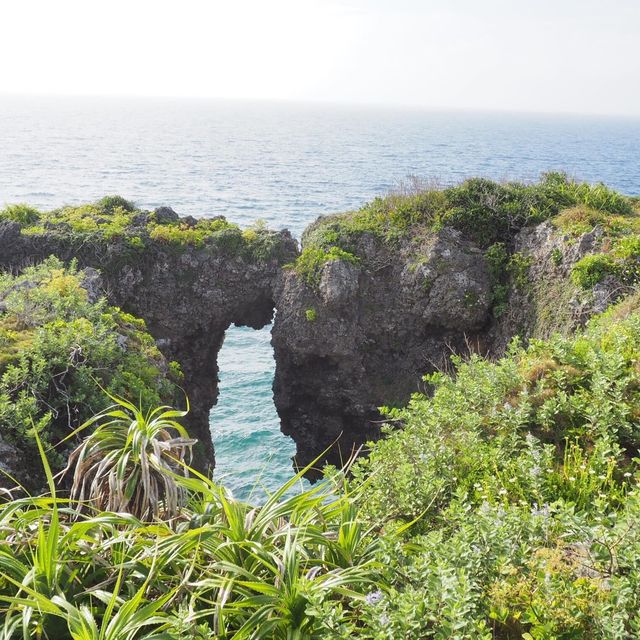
(57,347)
(115,219)
(222,568)
(311,260)
(581,219)
(487,212)
(21,213)
(622,261)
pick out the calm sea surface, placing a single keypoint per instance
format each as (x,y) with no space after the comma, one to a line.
(286,164)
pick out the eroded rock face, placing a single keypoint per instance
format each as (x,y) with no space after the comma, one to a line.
(365,335)
(548,301)
(188,297)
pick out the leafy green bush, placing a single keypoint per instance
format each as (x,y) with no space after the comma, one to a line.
(110,204)
(622,261)
(519,482)
(114,218)
(57,347)
(485,211)
(296,567)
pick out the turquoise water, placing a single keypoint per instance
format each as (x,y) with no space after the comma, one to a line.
(252,456)
(286,164)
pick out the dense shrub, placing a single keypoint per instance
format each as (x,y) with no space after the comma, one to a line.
(114,218)
(520,479)
(621,261)
(299,566)
(21,213)
(57,347)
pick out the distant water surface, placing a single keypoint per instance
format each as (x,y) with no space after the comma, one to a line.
(286,164)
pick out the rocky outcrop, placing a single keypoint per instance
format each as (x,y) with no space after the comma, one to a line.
(365,333)
(360,334)
(546,300)
(187,295)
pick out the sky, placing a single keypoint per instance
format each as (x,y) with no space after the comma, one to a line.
(558,56)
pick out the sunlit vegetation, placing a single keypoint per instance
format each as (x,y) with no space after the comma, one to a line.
(505,505)
(114,219)
(622,261)
(502,505)
(295,567)
(486,212)
(57,345)
(522,475)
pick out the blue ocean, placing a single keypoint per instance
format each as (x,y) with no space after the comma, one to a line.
(286,164)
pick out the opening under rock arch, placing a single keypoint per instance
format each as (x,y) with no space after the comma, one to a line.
(252,454)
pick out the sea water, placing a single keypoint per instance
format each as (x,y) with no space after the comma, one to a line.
(285,164)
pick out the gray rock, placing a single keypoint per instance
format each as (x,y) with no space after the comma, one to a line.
(190,221)
(92,282)
(338,282)
(363,338)
(187,298)
(378,328)
(165,215)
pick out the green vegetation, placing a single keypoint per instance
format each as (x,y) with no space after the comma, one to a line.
(505,505)
(622,261)
(113,218)
(296,567)
(522,477)
(505,268)
(311,260)
(485,211)
(129,462)
(57,347)
(21,213)
(578,220)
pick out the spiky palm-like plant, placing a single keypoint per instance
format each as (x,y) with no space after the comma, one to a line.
(130,461)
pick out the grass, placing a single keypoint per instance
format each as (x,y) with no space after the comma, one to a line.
(58,347)
(485,211)
(212,567)
(489,214)
(311,260)
(502,504)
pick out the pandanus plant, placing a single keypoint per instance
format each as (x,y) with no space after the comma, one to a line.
(130,460)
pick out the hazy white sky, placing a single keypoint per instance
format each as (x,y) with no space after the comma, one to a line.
(534,55)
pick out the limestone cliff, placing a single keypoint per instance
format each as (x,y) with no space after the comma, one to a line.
(365,335)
